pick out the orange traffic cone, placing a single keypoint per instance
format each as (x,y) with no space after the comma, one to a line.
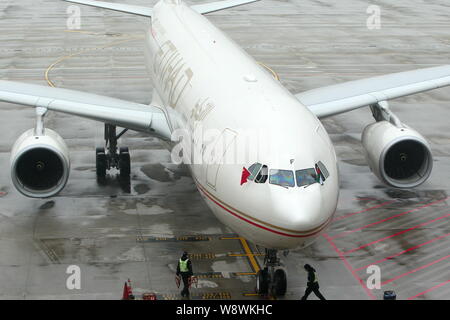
(127,292)
(125,295)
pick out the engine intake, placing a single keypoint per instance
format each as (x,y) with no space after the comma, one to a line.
(40,164)
(399,156)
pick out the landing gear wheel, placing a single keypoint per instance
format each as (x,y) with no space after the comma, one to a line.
(279,283)
(124,162)
(100,163)
(272,279)
(262,282)
(111,156)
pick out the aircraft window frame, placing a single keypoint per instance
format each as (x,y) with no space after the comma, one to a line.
(323,170)
(262,177)
(309,171)
(275,172)
(254,172)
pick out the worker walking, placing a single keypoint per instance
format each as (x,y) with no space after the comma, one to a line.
(185,270)
(313,283)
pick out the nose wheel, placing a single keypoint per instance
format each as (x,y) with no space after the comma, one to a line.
(272,280)
(112,157)
(262,282)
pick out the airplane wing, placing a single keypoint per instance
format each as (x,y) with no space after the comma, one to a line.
(347,96)
(122,113)
(127,8)
(219,5)
(147,12)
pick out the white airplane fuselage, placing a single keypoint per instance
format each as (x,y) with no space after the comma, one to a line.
(202,79)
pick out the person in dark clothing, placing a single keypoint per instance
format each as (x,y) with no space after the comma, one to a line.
(313,283)
(184,270)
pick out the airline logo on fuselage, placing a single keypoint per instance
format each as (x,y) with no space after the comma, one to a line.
(172,72)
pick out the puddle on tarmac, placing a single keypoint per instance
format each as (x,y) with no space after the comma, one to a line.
(415,194)
(47,205)
(156,172)
(141,188)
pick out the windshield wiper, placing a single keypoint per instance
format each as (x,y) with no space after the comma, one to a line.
(309,185)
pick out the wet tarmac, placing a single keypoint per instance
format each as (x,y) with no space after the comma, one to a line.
(114,230)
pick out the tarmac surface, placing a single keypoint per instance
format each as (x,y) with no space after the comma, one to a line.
(116,232)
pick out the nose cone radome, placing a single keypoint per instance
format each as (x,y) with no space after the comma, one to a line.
(300,210)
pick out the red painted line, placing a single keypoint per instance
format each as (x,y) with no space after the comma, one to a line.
(431,289)
(348,266)
(365,210)
(387,219)
(260,226)
(396,234)
(404,251)
(415,270)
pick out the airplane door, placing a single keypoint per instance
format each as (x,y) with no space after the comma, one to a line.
(225,142)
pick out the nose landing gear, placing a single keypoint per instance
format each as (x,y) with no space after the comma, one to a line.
(107,158)
(272,279)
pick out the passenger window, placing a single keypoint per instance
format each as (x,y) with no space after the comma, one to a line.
(284,178)
(306,177)
(262,175)
(254,169)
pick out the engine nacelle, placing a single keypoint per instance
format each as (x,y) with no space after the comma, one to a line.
(40,164)
(400,157)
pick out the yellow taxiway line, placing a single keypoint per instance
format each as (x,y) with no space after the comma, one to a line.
(248,253)
(47,72)
(274,74)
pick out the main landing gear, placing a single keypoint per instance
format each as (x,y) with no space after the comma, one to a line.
(272,279)
(109,157)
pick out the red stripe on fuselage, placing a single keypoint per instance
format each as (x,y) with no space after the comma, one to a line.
(210,197)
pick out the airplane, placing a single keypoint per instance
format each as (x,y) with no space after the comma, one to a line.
(282,199)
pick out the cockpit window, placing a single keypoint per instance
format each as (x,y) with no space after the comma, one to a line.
(284,178)
(322,170)
(253,169)
(262,175)
(306,177)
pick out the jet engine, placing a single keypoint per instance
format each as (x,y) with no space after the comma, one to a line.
(398,155)
(40,163)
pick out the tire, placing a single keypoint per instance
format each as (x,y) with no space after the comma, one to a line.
(262,282)
(124,162)
(100,162)
(280,282)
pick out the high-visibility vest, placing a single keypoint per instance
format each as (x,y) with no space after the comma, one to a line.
(184,265)
(316,278)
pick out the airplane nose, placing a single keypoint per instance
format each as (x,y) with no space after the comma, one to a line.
(300,211)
